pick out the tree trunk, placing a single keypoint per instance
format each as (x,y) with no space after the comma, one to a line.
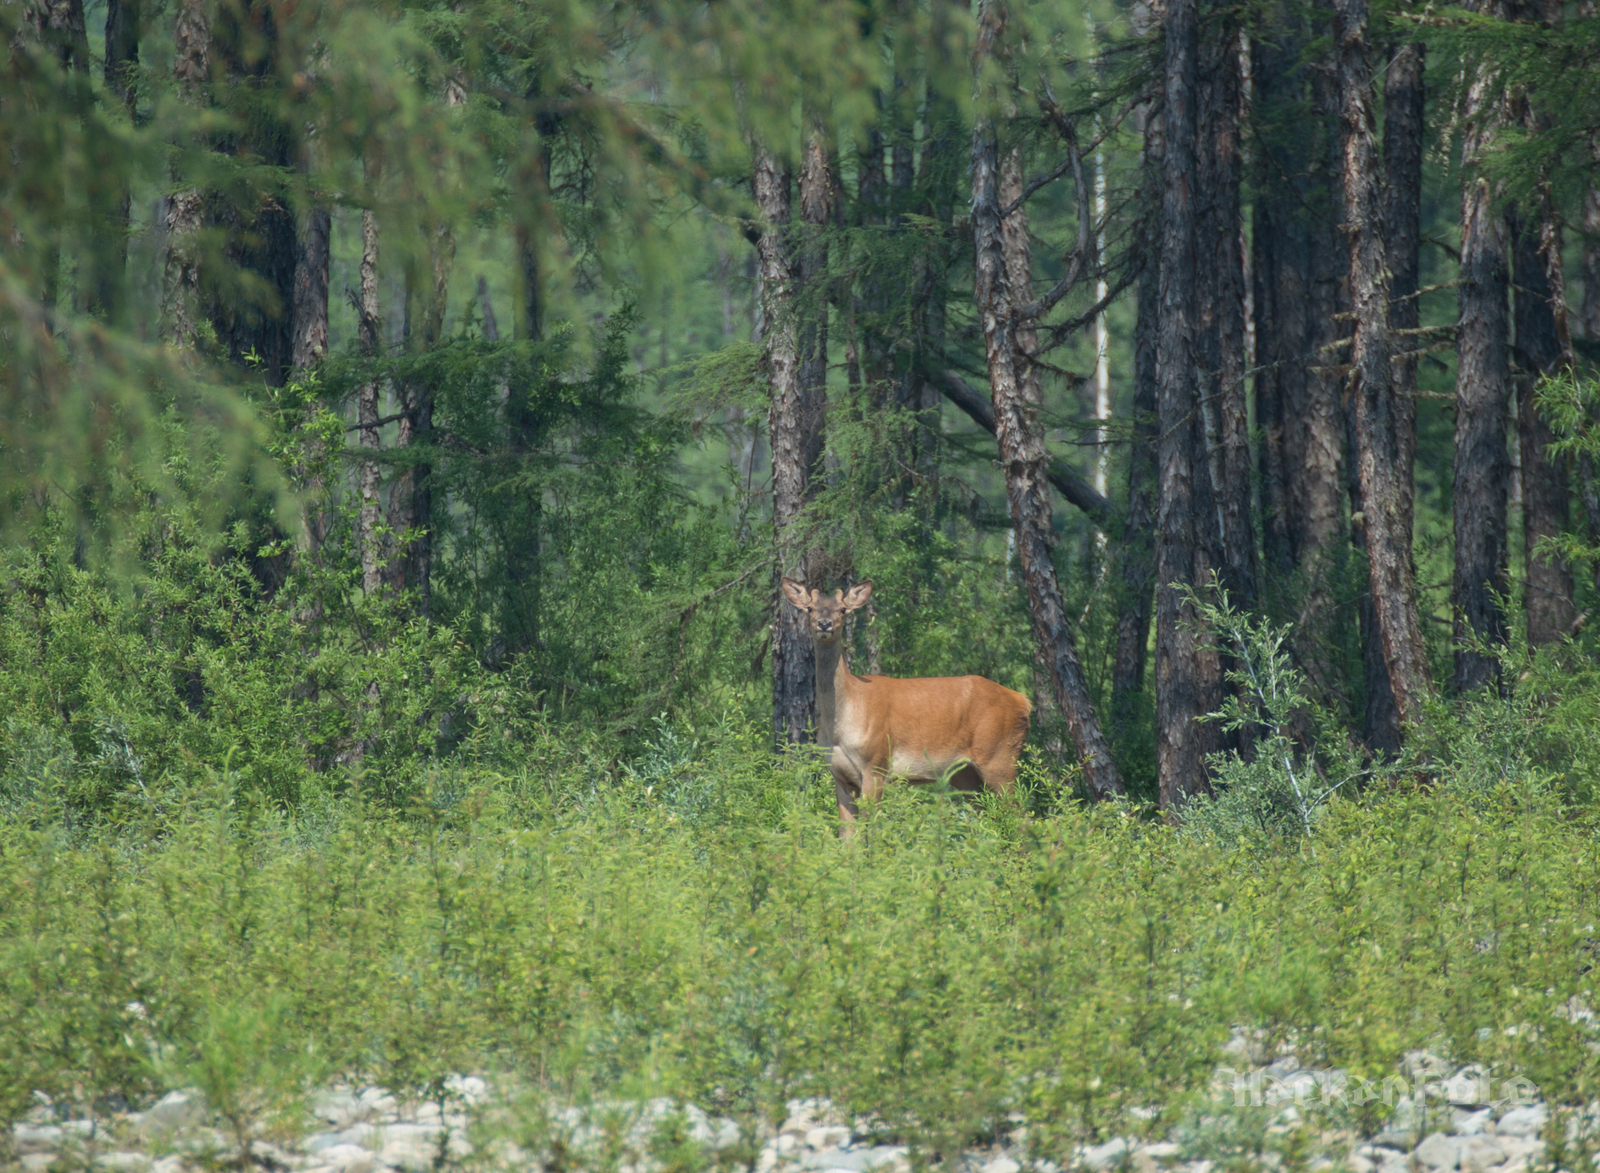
(1483,379)
(1297,268)
(411,499)
(1544,350)
(1588,323)
(1137,554)
(1183,740)
(1002,281)
(1220,277)
(310,347)
(184,216)
(255,322)
(795,447)
(311,289)
(112,197)
(1380,421)
(368,476)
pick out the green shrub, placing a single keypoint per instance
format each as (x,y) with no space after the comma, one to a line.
(945,969)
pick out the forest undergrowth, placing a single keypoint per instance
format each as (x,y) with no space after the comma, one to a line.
(690,924)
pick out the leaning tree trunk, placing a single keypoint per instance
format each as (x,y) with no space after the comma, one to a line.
(1382,467)
(1545,348)
(1001,285)
(795,444)
(1183,739)
(1483,384)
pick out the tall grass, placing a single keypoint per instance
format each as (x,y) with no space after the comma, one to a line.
(700,931)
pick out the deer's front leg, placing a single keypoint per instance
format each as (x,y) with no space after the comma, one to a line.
(846,786)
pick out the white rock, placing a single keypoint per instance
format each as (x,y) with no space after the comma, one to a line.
(36,1162)
(1002,1165)
(122,1162)
(1356,1163)
(768,1160)
(338,1108)
(891,1157)
(172,1164)
(364,1135)
(1468,1087)
(408,1156)
(375,1101)
(1388,1160)
(1104,1156)
(1525,1121)
(470,1088)
(804,1115)
(349,1158)
(1480,1153)
(1520,1147)
(1320,1165)
(827,1136)
(30,1138)
(1439,1151)
(174,1111)
(1475,1123)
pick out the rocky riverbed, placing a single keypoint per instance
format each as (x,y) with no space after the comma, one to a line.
(1440,1119)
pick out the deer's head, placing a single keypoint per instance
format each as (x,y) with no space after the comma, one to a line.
(825,613)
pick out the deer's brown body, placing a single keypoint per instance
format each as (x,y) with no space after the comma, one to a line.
(966,728)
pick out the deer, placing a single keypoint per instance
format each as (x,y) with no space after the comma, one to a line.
(923,729)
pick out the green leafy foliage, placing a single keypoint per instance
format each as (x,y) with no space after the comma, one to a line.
(944,969)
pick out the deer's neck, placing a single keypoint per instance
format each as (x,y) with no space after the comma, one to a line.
(833,679)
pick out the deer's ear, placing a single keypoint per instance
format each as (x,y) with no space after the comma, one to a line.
(796,594)
(858,595)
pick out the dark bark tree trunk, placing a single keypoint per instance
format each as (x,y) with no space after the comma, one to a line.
(1544,349)
(1588,323)
(185,208)
(1380,421)
(1002,282)
(1137,551)
(310,342)
(1403,129)
(1483,384)
(1298,264)
(1183,740)
(796,444)
(1220,278)
(260,237)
